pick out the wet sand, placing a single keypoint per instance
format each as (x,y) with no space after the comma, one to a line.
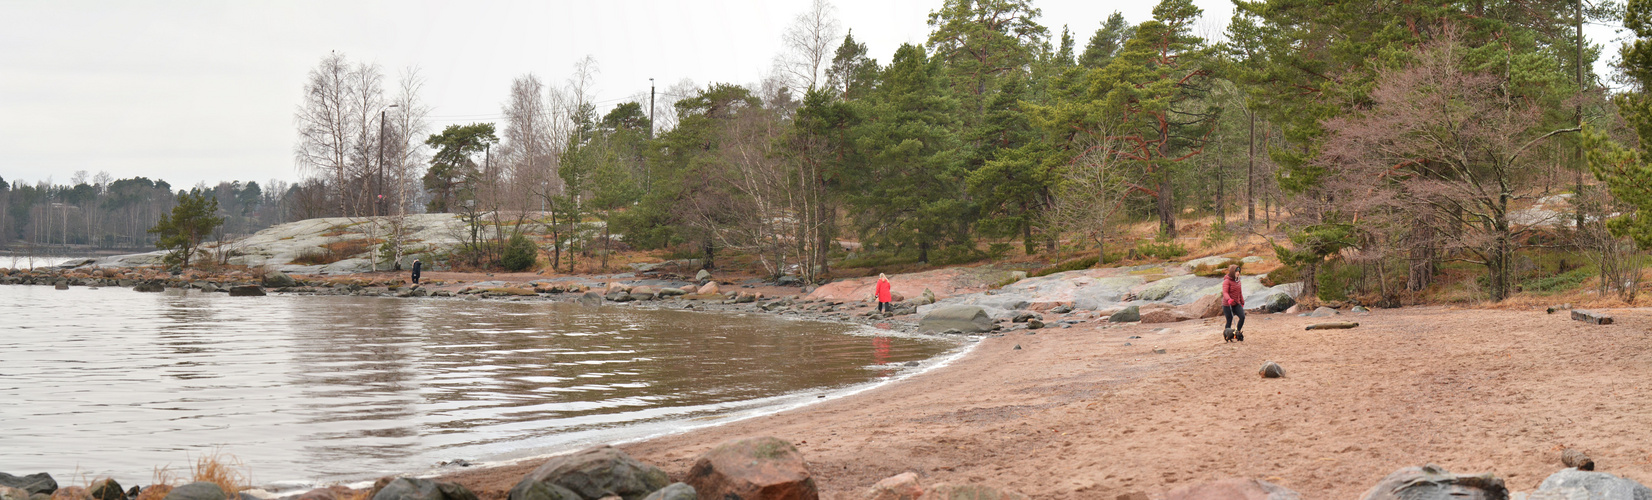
(1076,413)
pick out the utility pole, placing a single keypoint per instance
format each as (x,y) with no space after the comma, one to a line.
(1577,114)
(650,108)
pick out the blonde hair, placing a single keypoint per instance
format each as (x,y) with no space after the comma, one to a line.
(883,277)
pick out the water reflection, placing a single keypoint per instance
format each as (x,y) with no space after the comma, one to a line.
(114,383)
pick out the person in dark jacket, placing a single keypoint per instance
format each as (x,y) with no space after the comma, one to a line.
(1233,304)
(417,266)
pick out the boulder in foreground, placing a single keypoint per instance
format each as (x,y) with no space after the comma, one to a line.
(676,491)
(1128,314)
(1234,489)
(1271,370)
(593,473)
(752,468)
(903,486)
(32,483)
(967,319)
(1431,482)
(414,488)
(1573,483)
(199,490)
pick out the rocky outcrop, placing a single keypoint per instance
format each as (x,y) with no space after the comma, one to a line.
(1431,482)
(967,319)
(752,468)
(1573,483)
(1233,489)
(412,488)
(592,473)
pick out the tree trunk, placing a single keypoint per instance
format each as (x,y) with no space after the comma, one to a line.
(1250,173)
(923,251)
(1167,209)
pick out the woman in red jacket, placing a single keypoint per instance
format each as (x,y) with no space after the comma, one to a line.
(1233,304)
(883,293)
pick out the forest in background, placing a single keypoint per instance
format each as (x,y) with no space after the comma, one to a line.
(1377,145)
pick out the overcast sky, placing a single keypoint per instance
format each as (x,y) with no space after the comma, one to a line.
(193,91)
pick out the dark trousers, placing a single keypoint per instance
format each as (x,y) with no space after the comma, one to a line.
(884,307)
(1230,311)
(415,277)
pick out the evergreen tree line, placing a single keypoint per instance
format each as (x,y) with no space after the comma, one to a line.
(1384,140)
(104,213)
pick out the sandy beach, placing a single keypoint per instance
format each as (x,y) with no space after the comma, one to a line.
(1088,412)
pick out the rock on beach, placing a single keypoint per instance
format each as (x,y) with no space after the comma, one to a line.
(967,319)
(763,467)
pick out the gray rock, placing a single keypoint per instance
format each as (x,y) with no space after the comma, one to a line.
(278,279)
(32,483)
(590,299)
(1251,259)
(246,291)
(1598,485)
(1061,310)
(199,490)
(1591,317)
(702,275)
(1127,315)
(618,296)
(1034,324)
(677,491)
(1323,312)
(592,473)
(641,296)
(10,493)
(1431,482)
(969,319)
(1277,302)
(411,488)
(1359,309)
(1272,370)
(106,489)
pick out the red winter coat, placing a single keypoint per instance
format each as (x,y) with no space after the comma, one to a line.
(1232,295)
(883,291)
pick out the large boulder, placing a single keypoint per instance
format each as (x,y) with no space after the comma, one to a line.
(246,291)
(32,483)
(1126,315)
(752,468)
(967,319)
(1209,306)
(278,279)
(413,488)
(1277,302)
(592,473)
(709,289)
(945,491)
(1575,483)
(199,490)
(1233,489)
(1431,482)
(590,299)
(676,491)
(1323,312)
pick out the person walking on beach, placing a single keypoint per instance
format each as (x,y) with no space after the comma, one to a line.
(417,266)
(1233,304)
(883,293)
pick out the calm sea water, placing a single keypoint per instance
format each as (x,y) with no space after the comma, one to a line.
(113,383)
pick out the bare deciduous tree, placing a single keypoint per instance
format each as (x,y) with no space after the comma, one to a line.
(808,45)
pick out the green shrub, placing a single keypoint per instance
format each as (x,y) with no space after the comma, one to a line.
(1218,234)
(1160,249)
(519,254)
(1071,265)
(1336,280)
(1283,275)
(1557,283)
(997,251)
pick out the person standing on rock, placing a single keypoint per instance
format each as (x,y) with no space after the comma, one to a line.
(1233,304)
(883,293)
(417,266)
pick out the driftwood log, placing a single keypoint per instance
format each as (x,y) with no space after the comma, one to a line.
(1335,325)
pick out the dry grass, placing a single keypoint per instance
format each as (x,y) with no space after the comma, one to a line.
(226,471)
